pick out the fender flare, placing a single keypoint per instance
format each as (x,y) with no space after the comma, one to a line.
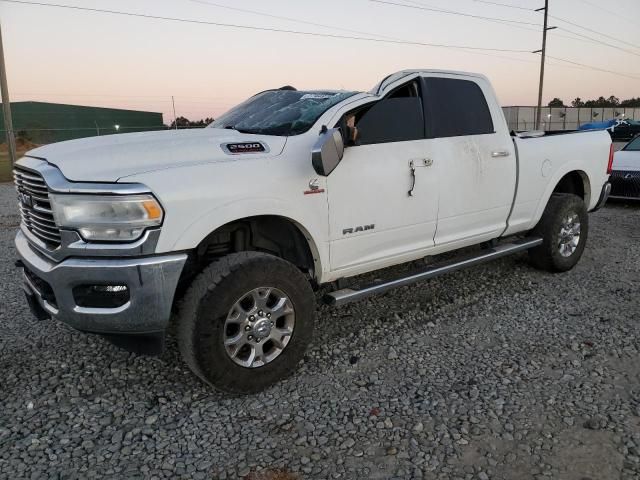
(566,169)
(230,212)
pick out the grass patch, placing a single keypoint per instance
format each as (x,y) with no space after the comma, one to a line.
(5,168)
(6,174)
(23,146)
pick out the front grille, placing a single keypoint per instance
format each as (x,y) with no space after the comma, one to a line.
(625,184)
(35,206)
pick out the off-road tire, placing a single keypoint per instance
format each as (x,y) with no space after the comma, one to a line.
(547,256)
(206,304)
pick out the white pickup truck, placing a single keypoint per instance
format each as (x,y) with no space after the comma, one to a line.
(232,227)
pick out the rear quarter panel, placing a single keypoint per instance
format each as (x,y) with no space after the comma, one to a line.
(542,162)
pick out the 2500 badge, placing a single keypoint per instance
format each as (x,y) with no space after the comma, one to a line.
(245,147)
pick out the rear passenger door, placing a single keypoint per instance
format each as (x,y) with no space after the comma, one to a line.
(474,156)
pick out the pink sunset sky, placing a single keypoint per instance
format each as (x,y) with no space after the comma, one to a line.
(70,56)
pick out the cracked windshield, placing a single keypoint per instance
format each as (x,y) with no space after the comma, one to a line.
(280,112)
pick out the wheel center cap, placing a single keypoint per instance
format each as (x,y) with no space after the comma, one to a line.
(262,328)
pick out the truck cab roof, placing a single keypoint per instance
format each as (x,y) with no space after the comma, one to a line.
(379,88)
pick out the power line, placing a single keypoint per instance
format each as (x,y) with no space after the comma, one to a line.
(289,19)
(474,50)
(453,12)
(263,29)
(510,23)
(505,5)
(568,21)
(591,67)
(599,42)
(296,20)
(609,12)
(517,25)
(593,31)
(579,38)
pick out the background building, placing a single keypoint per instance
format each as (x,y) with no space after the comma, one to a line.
(41,122)
(565,118)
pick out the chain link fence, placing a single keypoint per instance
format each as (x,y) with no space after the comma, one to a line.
(565,118)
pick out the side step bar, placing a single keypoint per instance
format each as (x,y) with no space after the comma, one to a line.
(348,295)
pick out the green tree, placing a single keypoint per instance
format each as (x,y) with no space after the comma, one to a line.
(184,122)
(556,102)
(631,102)
(577,102)
(613,101)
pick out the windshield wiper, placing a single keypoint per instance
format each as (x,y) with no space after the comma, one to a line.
(240,130)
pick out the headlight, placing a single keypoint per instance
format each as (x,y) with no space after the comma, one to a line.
(107,217)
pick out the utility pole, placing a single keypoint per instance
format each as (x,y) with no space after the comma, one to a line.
(175,120)
(543,53)
(6,107)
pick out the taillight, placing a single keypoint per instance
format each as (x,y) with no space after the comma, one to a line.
(610,165)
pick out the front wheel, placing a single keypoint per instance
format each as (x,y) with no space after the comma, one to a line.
(564,227)
(246,322)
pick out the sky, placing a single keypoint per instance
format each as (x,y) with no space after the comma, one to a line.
(77,57)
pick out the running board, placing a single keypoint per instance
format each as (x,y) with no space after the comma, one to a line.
(348,295)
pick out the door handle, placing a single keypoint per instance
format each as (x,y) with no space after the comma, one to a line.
(499,154)
(423,162)
(413,164)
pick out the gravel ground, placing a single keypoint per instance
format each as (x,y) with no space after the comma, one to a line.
(501,372)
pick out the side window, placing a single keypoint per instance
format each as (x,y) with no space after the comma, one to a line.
(455,108)
(396,118)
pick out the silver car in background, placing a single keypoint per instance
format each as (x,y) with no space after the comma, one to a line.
(625,177)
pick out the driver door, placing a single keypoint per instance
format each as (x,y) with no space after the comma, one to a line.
(383,196)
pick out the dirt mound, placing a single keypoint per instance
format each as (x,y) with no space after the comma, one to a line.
(22,145)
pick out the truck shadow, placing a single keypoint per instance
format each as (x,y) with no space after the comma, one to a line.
(623,203)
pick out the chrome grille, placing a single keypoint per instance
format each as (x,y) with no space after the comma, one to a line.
(35,206)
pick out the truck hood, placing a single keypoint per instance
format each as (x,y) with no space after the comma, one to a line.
(627,160)
(113,157)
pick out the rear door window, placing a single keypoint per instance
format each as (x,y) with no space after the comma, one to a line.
(456,108)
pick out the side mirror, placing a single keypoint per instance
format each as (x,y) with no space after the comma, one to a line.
(327,152)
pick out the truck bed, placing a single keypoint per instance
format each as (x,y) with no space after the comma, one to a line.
(543,161)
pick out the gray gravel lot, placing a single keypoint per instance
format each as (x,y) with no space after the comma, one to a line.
(500,372)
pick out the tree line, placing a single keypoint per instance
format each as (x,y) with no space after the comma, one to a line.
(610,102)
(184,122)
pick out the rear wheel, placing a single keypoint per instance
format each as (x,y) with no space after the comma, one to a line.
(564,227)
(246,322)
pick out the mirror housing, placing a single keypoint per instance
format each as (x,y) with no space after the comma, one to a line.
(327,152)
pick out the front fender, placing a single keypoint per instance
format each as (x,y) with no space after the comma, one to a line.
(215,218)
(198,199)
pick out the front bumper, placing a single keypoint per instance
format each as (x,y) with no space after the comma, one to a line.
(151,282)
